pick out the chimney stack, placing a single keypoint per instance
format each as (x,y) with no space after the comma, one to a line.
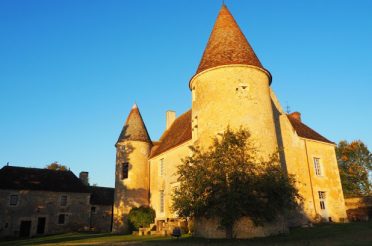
(84,177)
(171,116)
(296,116)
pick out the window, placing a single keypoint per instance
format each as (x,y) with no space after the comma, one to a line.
(124,170)
(61,219)
(317,168)
(93,210)
(322,197)
(63,201)
(193,95)
(161,167)
(194,127)
(13,201)
(161,201)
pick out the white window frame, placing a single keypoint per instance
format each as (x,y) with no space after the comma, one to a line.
(161,201)
(322,199)
(317,166)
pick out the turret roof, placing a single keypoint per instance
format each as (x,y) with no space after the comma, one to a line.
(134,128)
(227,45)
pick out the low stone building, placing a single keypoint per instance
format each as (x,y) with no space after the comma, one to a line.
(37,201)
(40,201)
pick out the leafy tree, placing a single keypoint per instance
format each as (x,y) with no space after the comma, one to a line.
(355,165)
(228,182)
(56,166)
(140,217)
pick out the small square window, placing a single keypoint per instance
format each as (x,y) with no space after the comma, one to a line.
(61,219)
(13,200)
(63,201)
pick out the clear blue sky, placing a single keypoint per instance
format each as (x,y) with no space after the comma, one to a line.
(71,70)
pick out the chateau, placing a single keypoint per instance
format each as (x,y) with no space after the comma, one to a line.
(230,88)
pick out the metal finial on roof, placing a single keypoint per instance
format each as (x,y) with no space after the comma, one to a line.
(134,128)
(134,105)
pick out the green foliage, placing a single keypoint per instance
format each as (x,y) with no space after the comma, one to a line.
(57,167)
(228,181)
(140,217)
(355,165)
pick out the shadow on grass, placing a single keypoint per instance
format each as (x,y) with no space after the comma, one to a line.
(53,239)
(359,233)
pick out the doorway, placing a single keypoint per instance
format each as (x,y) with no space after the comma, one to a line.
(41,225)
(25,228)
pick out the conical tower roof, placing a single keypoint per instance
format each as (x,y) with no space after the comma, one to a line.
(227,45)
(134,128)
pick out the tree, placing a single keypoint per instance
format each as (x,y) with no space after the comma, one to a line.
(140,217)
(228,182)
(57,167)
(355,165)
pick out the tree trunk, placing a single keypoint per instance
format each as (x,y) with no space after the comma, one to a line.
(229,231)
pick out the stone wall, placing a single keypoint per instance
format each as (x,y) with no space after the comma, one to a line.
(32,205)
(101,218)
(359,208)
(132,191)
(168,181)
(298,160)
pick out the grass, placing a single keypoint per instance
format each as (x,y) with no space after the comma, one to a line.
(327,234)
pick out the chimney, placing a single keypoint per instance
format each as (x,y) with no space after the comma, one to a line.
(296,116)
(84,177)
(171,116)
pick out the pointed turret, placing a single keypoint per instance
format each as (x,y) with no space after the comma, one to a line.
(132,169)
(134,128)
(227,45)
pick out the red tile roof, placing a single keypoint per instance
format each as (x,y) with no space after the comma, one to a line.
(134,128)
(178,133)
(305,131)
(227,45)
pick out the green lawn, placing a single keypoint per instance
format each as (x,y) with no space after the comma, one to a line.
(327,234)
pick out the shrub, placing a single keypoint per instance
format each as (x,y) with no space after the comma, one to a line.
(140,217)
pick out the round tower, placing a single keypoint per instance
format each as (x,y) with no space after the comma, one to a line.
(231,88)
(132,169)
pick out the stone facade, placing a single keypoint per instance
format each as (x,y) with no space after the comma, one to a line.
(101,218)
(40,212)
(230,88)
(36,201)
(132,190)
(359,208)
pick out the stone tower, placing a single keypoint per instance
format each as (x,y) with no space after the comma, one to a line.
(231,88)
(132,169)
